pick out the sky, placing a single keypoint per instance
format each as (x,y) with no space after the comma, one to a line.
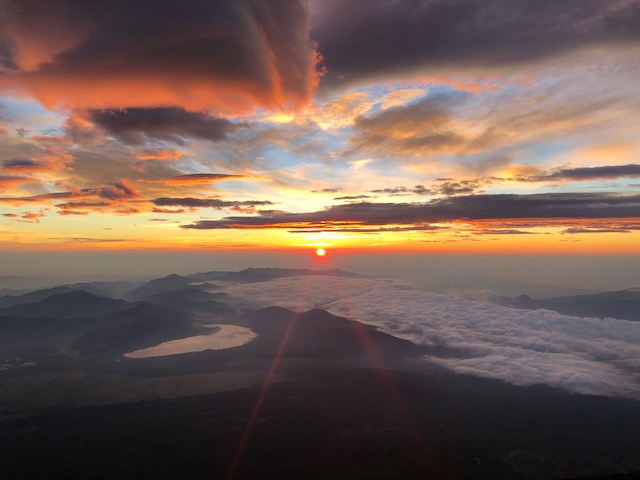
(370,126)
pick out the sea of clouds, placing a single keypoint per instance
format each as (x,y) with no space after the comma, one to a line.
(523,347)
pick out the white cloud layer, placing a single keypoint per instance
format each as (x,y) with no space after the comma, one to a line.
(523,347)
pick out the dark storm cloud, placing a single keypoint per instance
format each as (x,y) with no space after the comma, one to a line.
(587,173)
(372,38)
(464,208)
(136,125)
(207,203)
(229,55)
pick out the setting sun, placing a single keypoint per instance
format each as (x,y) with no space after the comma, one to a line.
(321,252)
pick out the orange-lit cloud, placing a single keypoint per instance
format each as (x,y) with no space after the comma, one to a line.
(160,154)
(26,217)
(232,56)
(450,209)
(7,181)
(199,179)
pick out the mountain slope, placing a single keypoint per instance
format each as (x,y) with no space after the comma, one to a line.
(623,304)
(254,275)
(74,304)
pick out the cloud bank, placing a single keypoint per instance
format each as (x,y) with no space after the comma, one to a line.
(227,55)
(361,39)
(523,347)
(470,207)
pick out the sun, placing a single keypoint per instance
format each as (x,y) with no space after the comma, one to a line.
(321,252)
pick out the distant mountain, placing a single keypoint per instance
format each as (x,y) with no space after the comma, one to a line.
(623,304)
(448,284)
(181,297)
(106,289)
(101,289)
(74,304)
(31,297)
(142,326)
(159,285)
(194,301)
(32,283)
(255,275)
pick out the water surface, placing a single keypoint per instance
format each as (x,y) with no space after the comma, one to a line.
(225,336)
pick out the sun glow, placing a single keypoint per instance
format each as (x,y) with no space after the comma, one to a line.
(321,252)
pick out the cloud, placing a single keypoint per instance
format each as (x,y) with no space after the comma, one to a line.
(328,190)
(353,197)
(199,178)
(455,124)
(502,232)
(412,228)
(458,208)
(168,210)
(7,56)
(160,154)
(227,56)
(374,39)
(18,165)
(402,191)
(524,347)
(73,212)
(26,217)
(111,194)
(82,205)
(119,190)
(208,203)
(7,181)
(596,230)
(137,125)
(417,128)
(46,197)
(580,174)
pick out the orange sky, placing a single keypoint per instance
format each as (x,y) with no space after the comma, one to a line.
(254,127)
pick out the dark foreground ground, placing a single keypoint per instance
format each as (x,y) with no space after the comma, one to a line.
(346,402)
(353,424)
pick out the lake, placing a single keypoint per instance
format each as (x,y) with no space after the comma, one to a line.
(225,336)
